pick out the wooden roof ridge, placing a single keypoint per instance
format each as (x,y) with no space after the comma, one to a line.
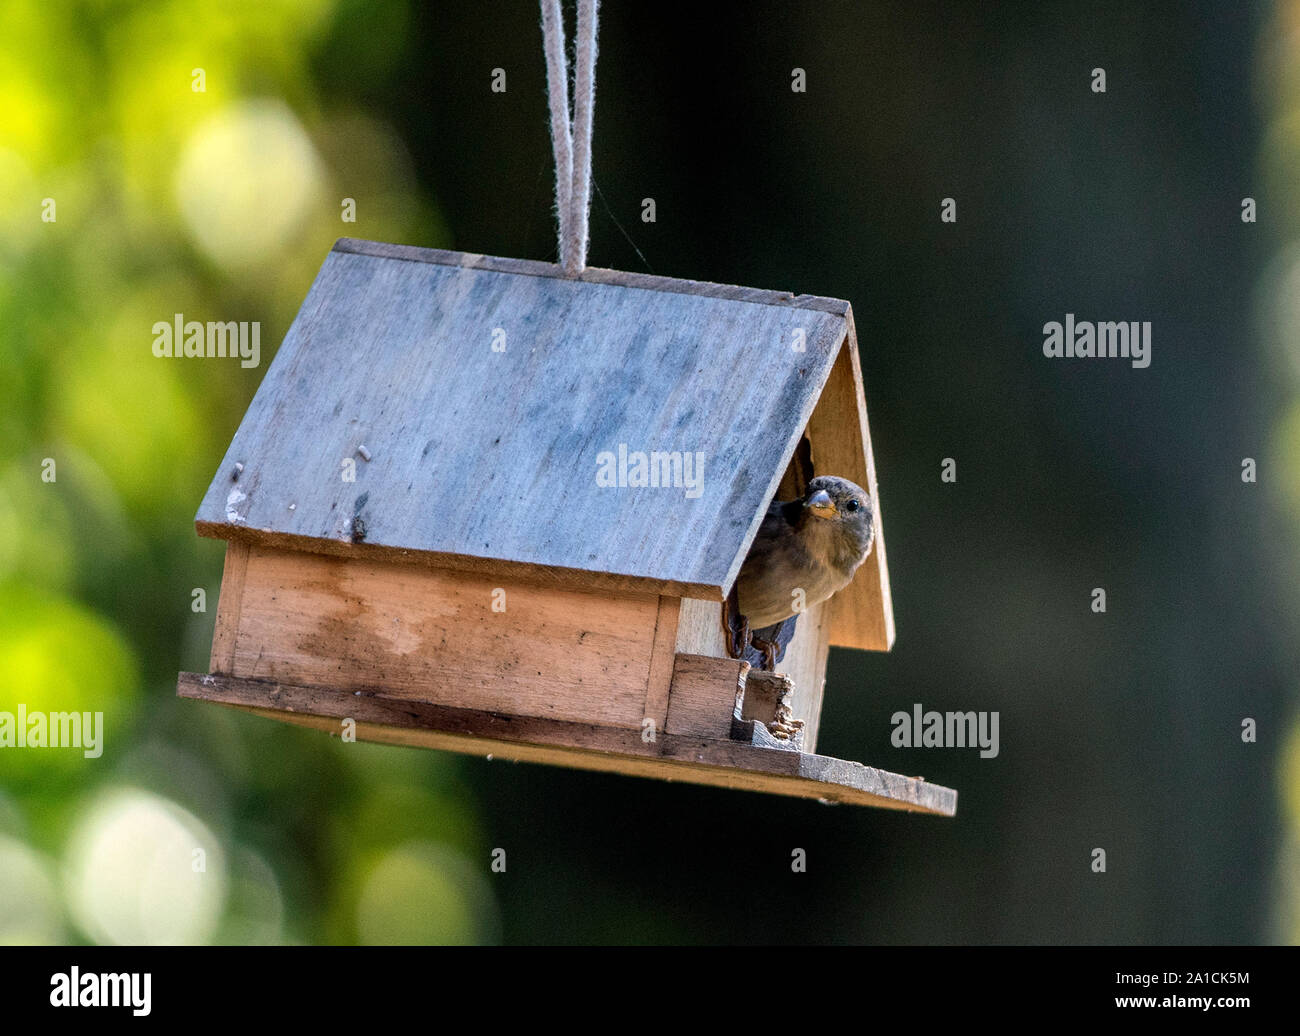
(592,275)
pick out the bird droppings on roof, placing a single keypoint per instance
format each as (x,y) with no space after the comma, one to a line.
(235,497)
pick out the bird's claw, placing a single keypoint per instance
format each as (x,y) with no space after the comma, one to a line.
(735,640)
(769,649)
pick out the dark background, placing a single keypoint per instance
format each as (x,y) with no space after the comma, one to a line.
(1119,731)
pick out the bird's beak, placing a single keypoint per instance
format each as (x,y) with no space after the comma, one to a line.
(821,504)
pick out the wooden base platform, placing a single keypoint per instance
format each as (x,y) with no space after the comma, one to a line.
(756,762)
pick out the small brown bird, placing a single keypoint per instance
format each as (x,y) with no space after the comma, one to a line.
(813,545)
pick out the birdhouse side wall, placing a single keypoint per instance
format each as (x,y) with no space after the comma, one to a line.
(862,614)
(805,663)
(451,638)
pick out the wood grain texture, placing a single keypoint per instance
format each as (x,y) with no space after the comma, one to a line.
(722,763)
(232,593)
(538,575)
(862,614)
(662,652)
(431,635)
(699,628)
(704,695)
(476,454)
(805,664)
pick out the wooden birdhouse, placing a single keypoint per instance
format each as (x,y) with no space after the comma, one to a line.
(478,506)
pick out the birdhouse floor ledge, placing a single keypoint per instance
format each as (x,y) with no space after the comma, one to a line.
(749,757)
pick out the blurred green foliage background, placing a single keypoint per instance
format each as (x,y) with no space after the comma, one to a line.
(1120,731)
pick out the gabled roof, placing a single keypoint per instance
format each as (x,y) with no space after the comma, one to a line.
(488,460)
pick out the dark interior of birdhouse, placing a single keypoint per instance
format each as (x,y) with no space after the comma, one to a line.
(799,472)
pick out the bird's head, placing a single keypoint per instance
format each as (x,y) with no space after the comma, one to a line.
(846,508)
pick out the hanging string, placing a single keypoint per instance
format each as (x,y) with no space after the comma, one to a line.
(571,134)
(557,76)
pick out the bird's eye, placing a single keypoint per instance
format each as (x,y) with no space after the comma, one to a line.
(852,505)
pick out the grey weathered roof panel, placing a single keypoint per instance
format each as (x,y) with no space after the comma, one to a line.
(476,454)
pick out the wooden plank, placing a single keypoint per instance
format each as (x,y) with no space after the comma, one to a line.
(722,763)
(862,614)
(704,695)
(805,664)
(699,628)
(476,455)
(232,592)
(815,686)
(661,662)
(593,274)
(501,571)
(430,635)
